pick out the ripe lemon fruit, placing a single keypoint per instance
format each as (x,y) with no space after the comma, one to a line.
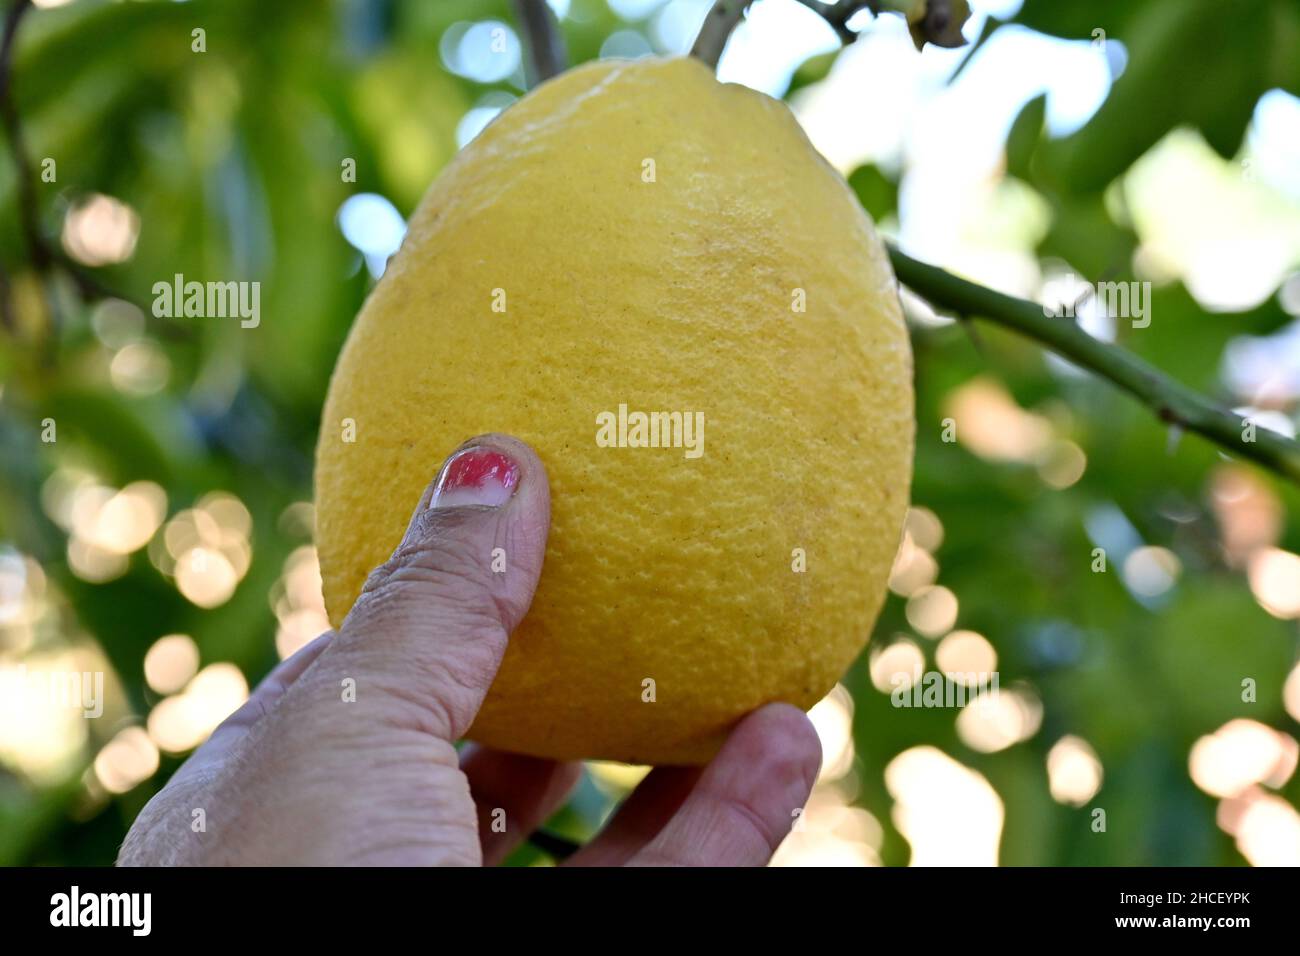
(637,234)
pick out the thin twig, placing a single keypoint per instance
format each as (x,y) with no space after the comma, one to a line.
(725,16)
(546,54)
(991,26)
(839,13)
(1171,401)
(939,22)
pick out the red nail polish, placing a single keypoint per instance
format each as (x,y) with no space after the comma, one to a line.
(477,476)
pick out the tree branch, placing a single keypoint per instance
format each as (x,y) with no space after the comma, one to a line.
(545,46)
(1171,401)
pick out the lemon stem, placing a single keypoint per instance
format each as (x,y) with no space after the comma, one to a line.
(723,17)
(1171,401)
(546,55)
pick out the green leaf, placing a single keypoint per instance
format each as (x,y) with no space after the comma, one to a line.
(1203,63)
(877,192)
(1077,20)
(812,70)
(1024,137)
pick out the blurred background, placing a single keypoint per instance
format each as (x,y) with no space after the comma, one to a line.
(155,498)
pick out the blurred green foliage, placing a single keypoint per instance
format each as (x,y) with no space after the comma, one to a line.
(232,162)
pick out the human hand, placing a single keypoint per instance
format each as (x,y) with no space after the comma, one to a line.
(298,775)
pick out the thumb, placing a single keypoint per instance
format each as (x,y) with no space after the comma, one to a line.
(431,624)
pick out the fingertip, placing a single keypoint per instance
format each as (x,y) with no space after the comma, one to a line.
(492,469)
(782,739)
(532,471)
(748,798)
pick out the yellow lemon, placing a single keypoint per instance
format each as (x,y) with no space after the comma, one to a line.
(656,281)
